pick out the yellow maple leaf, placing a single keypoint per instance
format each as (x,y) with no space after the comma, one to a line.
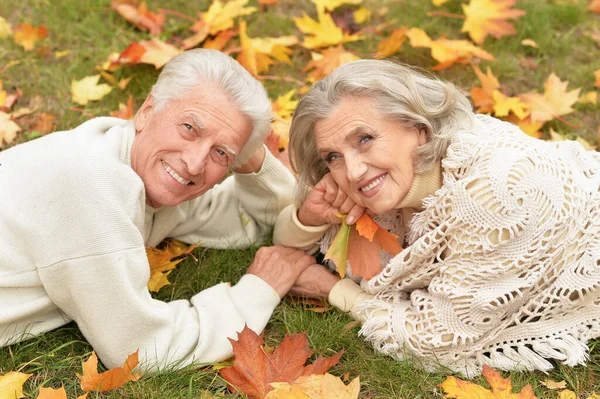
(500,388)
(526,125)
(88,89)
(8,129)
(254,61)
(447,52)
(323,64)
(221,16)
(315,386)
(158,53)
(488,17)
(438,3)
(330,5)
(362,15)
(276,47)
(324,32)
(567,394)
(597,76)
(284,106)
(503,105)
(392,44)
(5,28)
(11,385)
(163,260)
(555,101)
(591,97)
(27,35)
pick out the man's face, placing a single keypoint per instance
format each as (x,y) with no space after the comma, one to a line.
(186,148)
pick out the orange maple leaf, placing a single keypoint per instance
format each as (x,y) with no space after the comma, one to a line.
(555,102)
(253,369)
(323,64)
(220,40)
(115,378)
(488,17)
(392,44)
(163,260)
(140,17)
(49,393)
(26,35)
(594,6)
(124,111)
(500,388)
(360,244)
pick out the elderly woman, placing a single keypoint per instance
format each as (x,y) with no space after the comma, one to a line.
(501,231)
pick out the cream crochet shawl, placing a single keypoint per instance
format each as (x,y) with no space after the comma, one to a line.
(503,263)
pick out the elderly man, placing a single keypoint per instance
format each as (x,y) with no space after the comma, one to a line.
(78,208)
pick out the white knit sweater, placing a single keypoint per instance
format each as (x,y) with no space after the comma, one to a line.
(73,227)
(502,265)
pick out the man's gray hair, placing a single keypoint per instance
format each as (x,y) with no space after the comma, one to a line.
(401,92)
(184,73)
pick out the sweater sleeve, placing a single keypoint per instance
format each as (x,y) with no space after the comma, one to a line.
(290,232)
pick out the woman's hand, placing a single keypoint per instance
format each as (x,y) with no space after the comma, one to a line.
(280,267)
(324,201)
(315,281)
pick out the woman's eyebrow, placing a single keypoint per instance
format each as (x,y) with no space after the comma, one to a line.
(350,137)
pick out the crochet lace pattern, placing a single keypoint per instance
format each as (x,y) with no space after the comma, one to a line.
(503,263)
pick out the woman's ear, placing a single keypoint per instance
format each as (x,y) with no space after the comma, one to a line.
(423,136)
(143,114)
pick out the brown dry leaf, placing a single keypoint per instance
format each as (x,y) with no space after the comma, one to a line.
(315,387)
(488,17)
(500,388)
(483,97)
(164,259)
(5,28)
(124,111)
(114,378)
(44,123)
(447,52)
(597,76)
(140,17)
(554,103)
(254,370)
(594,6)
(26,35)
(323,32)
(323,64)
(553,384)
(8,129)
(392,44)
(11,385)
(49,393)
(88,89)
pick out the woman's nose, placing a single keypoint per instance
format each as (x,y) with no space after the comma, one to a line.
(356,168)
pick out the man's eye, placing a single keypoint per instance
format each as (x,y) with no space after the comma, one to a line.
(366,138)
(188,126)
(221,153)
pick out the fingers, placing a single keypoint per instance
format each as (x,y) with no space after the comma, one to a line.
(354,213)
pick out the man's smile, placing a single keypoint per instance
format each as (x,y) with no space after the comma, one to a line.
(174,174)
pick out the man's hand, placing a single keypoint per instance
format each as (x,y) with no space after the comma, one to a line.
(315,282)
(254,164)
(280,266)
(324,201)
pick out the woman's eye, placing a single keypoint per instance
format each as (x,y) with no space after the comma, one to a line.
(331,157)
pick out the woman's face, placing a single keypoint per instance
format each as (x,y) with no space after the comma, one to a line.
(369,156)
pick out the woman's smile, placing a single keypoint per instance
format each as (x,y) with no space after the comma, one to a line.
(373,186)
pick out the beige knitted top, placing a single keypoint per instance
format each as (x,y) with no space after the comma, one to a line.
(502,264)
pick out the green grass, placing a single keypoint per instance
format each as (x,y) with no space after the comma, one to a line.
(90,30)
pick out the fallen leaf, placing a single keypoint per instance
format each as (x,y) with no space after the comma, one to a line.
(88,89)
(49,393)
(362,15)
(529,63)
(488,17)
(392,44)
(60,54)
(566,394)
(555,102)
(500,388)
(132,54)
(594,6)
(323,64)
(5,28)
(123,83)
(330,5)
(140,17)
(447,52)
(267,2)
(324,386)
(503,105)
(158,53)
(27,35)
(338,250)
(529,42)
(124,111)
(220,40)
(526,125)
(114,378)
(591,97)
(44,123)
(323,32)
(249,58)
(597,76)
(553,384)
(8,129)
(284,106)
(256,53)
(438,3)
(11,385)
(165,259)
(254,370)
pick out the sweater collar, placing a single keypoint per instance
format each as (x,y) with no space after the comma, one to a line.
(424,185)
(127,144)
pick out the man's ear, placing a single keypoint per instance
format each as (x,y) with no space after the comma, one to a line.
(143,114)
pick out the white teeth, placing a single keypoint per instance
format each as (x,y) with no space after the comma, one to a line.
(373,184)
(170,171)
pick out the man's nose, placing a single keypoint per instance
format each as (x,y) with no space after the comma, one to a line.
(356,167)
(195,157)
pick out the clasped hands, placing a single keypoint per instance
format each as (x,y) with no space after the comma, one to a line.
(291,270)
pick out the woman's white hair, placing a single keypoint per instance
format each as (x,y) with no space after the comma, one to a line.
(401,92)
(185,73)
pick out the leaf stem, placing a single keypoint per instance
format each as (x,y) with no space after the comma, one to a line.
(445,14)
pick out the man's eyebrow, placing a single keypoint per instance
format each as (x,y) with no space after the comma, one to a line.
(229,150)
(198,124)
